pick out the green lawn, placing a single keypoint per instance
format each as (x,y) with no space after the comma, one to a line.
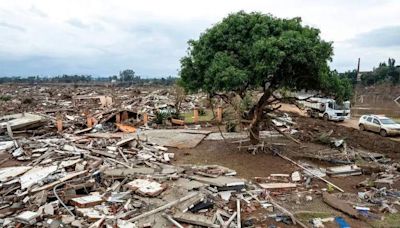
(188,117)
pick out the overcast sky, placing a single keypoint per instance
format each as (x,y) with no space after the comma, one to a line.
(101,38)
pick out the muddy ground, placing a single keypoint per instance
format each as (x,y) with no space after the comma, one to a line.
(262,165)
(310,128)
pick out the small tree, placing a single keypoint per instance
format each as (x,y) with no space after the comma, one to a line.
(127,75)
(251,51)
(179,97)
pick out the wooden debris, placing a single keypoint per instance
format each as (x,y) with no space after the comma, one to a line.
(278,185)
(195,219)
(340,205)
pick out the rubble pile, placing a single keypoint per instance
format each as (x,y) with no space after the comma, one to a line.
(82,181)
(50,100)
(162,100)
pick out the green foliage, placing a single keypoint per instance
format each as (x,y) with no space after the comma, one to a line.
(5,97)
(250,50)
(246,103)
(340,86)
(350,75)
(230,126)
(161,117)
(383,73)
(202,112)
(127,75)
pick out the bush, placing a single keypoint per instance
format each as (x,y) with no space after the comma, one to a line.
(230,126)
(27,100)
(202,112)
(5,98)
(161,117)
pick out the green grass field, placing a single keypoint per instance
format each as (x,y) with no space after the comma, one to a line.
(188,117)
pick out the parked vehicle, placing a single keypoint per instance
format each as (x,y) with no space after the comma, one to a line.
(379,124)
(327,108)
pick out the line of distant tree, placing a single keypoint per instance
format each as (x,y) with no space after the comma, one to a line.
(125,78)
(384,73)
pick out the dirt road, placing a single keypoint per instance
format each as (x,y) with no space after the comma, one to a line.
(353,123)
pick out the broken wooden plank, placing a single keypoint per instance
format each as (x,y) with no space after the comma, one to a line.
(65,178)
(125,141)
(164,207)
(239,221)
(123,172)
(278,185)
(169,218)
(98,152)
(227,223)
(126,128)
(340,205)
(195,219)
(304,168)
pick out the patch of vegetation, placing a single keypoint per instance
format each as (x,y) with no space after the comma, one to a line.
(390,221)
(230,126)
(5,97)
(161,117)
(27,100)
(306,216)
(188,116)
(202,112)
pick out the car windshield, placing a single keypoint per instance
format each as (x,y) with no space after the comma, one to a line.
(387,121)
(343,106)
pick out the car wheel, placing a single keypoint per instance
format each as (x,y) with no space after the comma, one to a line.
(383,133)
(326,117)
(362,128)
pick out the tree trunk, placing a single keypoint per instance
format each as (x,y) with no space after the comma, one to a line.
(256,114)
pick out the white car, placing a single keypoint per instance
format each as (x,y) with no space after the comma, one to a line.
(380,124)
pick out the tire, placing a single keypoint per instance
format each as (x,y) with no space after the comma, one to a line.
(383,133)
(362,128)
(326,117)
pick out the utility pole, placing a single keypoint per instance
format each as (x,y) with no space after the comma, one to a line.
(358,71)
(358,80)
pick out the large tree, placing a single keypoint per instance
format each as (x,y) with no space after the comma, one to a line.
(256,51)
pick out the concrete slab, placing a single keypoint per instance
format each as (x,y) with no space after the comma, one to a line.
(221,181)
(178,138)
(8,173)
(145,187)
(188,184)
(35,175)
(21,121)
(125,171)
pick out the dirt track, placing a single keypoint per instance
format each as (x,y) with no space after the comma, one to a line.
(354,138)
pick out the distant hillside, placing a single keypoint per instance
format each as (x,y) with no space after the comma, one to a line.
(377,99)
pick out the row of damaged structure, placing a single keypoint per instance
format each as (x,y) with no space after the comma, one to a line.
(90,180)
